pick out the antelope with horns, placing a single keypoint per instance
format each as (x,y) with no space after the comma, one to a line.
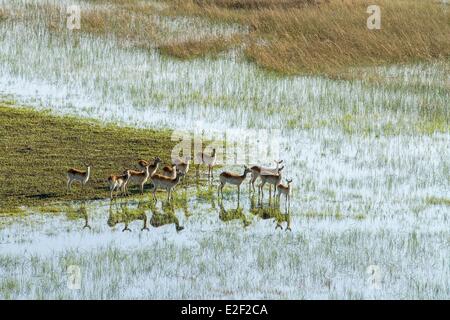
(118,182)
(78,175)
(152,167)
(232,178)
(286,190)
(271,179)
(257,170)
(167,183)
(206,159)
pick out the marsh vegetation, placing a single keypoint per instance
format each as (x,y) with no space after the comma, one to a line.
(368,153)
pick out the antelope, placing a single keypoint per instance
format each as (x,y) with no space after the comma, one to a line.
(117,182)
(271,179)
(209,160)
(256,172)
(78,175)
(138,177)
(170,172)
(286,190)
(142,164)
(232,178)
(183,164)
(167,183)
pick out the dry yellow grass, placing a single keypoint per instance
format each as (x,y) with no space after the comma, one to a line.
(127,20)
(134,23)
(199,48)
(329,36)
(287,36)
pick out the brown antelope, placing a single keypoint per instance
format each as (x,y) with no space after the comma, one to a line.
(78,175)
(206,159)
(152,167)
(271,179)
(118,182)
(232,178)
(138,177)
(183,164)
(256,172)
(170,171)
(286,190)
(167,183)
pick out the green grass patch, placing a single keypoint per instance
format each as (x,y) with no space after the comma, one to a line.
(435,201)
(37,149)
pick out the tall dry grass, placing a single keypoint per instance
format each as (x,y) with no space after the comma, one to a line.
(328,37)
(191,49)
(126,20)
(287,36)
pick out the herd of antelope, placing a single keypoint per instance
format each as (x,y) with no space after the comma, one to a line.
(170,177)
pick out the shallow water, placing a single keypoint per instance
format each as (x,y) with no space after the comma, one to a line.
(213,257)
(363,178)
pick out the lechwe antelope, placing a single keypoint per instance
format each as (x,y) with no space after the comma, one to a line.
(183,164)
(286,190)
(118,182)
(170,171)
(78,175)
(152,167)
(138,177)
(232,178)
(209,160)
(271,179)
(256,172)
(167,183)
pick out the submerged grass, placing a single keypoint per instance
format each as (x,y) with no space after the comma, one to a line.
(327,37)
(435,201)
(199,48)
(36,149)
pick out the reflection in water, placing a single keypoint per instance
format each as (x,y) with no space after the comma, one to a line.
(206,195)
(122,213)
(159,219)
(128,210)
(271,212)
(233,214)
(78,212)
(181,202)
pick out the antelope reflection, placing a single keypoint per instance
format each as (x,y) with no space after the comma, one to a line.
(232,214)
(73,212)
(122,213)
(159,219)
(206,195)
(271,212)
